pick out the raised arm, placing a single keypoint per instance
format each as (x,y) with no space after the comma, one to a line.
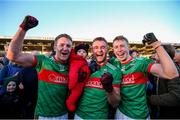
(166,68)
(15,48)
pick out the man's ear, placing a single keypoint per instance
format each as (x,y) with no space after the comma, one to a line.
(55,47)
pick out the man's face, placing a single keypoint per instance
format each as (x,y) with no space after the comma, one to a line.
(121,50)
(63,48)
(99,49)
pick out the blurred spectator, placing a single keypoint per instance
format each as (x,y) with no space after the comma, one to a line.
(165,103)
(30,83)
(5,59)
(110,55)
(7,71)
(134,53)
(10,102)
(1,65)
(177,57)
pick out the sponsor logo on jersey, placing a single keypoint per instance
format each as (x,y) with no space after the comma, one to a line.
(134,78)
(94,83)
(53,77)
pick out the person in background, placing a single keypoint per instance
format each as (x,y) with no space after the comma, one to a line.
(7,71)
(5,59)
(30,83)
(133,104)
(11,102)
(1,65)
(165,103)
(177,57)
(102,88)
(1,60)
(134,53)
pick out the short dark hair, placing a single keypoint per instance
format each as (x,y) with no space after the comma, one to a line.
(81,46)
(121,37)
(100,39)
(170,50)
(63,35)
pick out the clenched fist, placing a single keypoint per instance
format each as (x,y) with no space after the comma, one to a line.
(149,38)
(106,81)
(29,22)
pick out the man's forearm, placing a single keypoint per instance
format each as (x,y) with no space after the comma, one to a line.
(114,98)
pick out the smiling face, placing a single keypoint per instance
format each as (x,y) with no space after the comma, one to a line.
(121,50)
(11,86)
(63,48)
(100,51)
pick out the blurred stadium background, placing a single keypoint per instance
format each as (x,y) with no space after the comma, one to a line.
(45,44)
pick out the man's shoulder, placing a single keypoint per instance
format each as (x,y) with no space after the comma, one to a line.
(142,59)
(111,66)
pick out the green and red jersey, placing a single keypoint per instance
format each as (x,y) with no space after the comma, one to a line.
(52,86)
(133,87)
(94,102)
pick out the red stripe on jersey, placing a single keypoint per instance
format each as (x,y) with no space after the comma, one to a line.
(34,61)
(134,78)
(52,77)
(149,67)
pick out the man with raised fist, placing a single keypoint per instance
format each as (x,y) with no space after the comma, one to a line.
(52,71)
(102,88)
(133,104)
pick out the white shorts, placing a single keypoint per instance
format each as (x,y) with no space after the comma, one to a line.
(62,117)
(76,117)
(120,116)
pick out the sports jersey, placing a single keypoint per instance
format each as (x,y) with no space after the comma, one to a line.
(52,87)
(94,102)
(133,87)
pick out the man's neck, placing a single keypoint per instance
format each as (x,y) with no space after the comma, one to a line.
(127,60)
(102,63)
(58,60)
